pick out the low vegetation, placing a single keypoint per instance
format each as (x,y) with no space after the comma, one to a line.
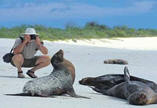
(90,30)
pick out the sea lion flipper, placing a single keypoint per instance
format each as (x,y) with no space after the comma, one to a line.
(78,96)
(126,74)
(103,91)
(72,93)
(95,89)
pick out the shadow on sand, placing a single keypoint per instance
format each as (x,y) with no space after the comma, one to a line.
(3,76)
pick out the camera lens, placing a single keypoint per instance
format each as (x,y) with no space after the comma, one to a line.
(33,37)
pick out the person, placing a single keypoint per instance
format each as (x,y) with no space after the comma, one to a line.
(24,51)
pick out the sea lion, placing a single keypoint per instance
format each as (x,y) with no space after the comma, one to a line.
(116,61)
(60,81)
(136,92)
(108,81)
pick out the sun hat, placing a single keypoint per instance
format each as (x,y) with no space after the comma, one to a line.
(30,31)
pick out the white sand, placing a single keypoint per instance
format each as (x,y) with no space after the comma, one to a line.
(88,60)
(144,43)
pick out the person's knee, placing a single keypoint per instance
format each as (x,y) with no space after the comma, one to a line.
(17,58)
(45,59)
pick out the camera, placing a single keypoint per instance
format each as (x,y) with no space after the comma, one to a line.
(33,37)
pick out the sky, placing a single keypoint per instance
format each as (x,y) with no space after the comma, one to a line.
(59,13)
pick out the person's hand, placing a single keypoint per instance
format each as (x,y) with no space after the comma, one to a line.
(27,38)
(37,41)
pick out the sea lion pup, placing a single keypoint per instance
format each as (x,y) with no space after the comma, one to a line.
(116,61)
(105,82)
(60,81)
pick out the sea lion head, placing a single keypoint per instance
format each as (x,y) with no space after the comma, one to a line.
(87,81)
(57,58)
(138,98)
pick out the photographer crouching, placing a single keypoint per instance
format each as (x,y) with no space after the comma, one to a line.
(24,51)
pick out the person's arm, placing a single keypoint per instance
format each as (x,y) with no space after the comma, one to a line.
(19,48)
(42,48)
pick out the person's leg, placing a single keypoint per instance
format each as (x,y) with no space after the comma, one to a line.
(41,62)
(18,61)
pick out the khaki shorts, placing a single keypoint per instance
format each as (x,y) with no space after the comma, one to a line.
(28,62)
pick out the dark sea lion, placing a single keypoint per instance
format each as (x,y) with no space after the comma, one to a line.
(60,81)
(136,92)
(116,61)
(108,81)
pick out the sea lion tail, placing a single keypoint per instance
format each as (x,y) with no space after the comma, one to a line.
(19,94)
(126,74)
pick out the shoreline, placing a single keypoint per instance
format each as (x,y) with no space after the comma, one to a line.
(132,43)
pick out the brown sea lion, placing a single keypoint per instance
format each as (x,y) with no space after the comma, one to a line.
(136,92)
(116,61)
(60,81)
(70,67)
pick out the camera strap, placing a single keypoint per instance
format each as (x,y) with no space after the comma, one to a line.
(21,40)
(11,50)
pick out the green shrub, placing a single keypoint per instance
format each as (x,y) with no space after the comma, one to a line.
(90,30)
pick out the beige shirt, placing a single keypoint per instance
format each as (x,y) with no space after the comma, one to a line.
(29,50)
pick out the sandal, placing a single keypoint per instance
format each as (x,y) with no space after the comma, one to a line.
(31,74)
(20,74)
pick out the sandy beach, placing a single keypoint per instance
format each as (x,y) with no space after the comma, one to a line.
(88,57)
(139,43)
